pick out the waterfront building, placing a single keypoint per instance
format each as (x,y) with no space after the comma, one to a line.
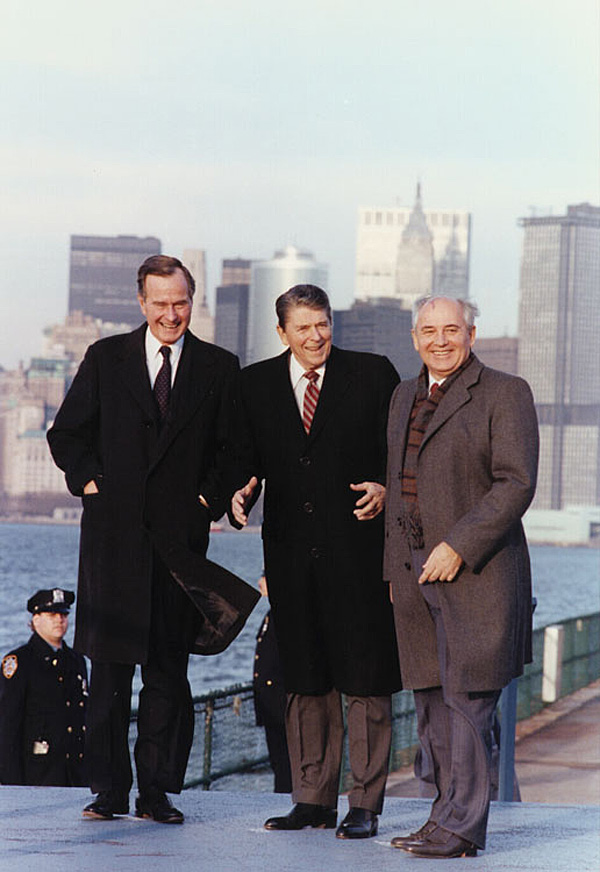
(499,352)
(236,271)
(103,276)
(382,327)
(202,323)
(231,319)
(72,338)
(559,324)
(270,278)
(402,251)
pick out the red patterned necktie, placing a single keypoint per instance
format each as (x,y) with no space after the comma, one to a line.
(311,395)
(162,384)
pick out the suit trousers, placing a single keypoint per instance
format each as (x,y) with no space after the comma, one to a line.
(165,724)
(315,733)
(455,730)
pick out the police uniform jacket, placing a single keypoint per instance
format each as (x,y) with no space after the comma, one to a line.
(43,694)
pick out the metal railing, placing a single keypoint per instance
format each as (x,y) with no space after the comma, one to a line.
(228,743)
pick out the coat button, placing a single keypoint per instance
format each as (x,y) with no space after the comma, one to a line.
(314,552)
(407,566)
(308,508)
(305,461)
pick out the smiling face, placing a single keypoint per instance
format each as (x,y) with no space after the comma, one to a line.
(167,306)
(307,332)
(442,337)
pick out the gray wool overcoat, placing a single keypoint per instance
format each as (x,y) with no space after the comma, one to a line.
(476,476)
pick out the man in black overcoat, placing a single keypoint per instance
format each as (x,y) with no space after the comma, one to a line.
(43,697)
(313,428)
(462,467)
(140,436)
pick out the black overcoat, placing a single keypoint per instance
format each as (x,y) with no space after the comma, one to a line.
(323,567)
(43,697)
(149,479)
(476,476)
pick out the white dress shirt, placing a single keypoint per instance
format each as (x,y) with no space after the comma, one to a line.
(154,359)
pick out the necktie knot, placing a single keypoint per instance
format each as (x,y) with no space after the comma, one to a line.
(312,375)
(165,350)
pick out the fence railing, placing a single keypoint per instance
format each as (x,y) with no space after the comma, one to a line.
(228,743)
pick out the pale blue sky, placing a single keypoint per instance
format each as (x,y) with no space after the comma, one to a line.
(241,126)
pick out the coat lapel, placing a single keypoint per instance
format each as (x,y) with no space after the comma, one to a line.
(135,372)
(458,394)
(339,376)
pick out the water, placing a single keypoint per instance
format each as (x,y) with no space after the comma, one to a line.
(566,584)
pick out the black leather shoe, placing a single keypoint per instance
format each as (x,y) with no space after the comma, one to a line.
(418,836)
(304,814)
(359,823)
(159,808)
(106,805)
(442,844)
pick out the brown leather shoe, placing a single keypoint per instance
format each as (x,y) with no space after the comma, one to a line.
(159,808)
(418,836)
(304,814)
(442,844)
(359,823)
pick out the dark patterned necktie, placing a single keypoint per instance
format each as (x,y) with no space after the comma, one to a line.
(162,385)
(311,395)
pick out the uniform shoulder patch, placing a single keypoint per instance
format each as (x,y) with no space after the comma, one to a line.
(10,664)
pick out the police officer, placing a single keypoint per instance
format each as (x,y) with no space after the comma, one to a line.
(43,694)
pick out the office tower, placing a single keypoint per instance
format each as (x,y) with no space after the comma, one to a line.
(202,323)
(379,326)
(395,246)
(559,325)
(231,309)
(103,276)
(231,319)
(498,352)
(269,279)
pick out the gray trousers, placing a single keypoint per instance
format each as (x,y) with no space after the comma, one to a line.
(315,733)
(455,730)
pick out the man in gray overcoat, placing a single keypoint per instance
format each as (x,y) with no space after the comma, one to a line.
(462,463)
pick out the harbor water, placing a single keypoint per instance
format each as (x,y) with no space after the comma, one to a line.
(566,584)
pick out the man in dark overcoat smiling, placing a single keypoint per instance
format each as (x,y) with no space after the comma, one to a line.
(140,436)
(314,430)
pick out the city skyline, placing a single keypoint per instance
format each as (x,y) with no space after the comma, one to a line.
(239,131)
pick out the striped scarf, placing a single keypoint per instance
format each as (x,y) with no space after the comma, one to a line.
(421,414)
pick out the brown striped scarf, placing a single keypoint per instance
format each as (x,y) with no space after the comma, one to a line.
(421,414)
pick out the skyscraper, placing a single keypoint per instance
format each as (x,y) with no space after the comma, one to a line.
(403,252)
(559,325)
(270,278)
(231,309)
(202,323)
(103,275)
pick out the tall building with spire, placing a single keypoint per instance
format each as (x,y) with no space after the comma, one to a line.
(402,251)
(414,259)
(559,325)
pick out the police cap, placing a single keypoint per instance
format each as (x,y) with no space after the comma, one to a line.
(57,600)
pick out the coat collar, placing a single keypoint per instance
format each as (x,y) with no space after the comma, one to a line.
(458,394)
(337,380)
(193,382)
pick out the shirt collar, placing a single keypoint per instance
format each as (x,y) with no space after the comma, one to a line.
(297,371)
(153,347)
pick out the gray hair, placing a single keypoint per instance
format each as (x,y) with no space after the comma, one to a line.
(468,308)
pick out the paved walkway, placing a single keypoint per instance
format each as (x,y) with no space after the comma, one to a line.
(558,761)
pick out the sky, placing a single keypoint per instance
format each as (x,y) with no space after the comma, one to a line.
(240,127)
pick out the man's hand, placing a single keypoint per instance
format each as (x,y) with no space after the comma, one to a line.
(442,564)
(373,501)
(91,488)
(240,500)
